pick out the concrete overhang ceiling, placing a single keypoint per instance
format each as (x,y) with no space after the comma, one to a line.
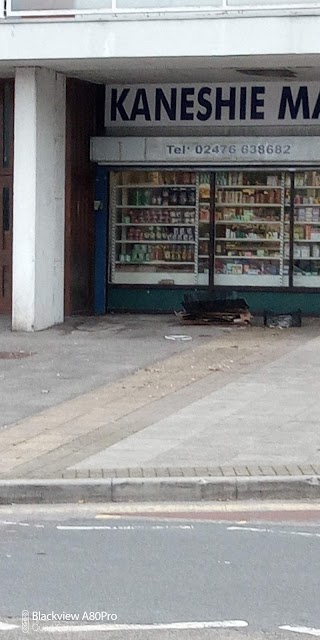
(186,69)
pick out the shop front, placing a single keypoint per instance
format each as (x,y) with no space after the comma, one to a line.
(212,214)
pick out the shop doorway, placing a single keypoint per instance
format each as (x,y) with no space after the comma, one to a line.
(6,193)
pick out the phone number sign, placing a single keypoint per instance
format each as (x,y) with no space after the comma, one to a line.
(230,150)
(208,151)
(234,151)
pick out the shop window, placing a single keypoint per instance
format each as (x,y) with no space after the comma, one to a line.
(251,237)
(160,227)
(245,228)
(306,233)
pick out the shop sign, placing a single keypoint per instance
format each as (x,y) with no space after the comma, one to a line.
(216,105)
(206,150)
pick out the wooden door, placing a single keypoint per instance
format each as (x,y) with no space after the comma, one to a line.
(5,244)
(6,193)
(80,182)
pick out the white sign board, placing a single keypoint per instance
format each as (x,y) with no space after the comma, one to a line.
(206,151)
(208,105)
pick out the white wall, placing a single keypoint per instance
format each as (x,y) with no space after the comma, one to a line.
(39,199)
(77,40)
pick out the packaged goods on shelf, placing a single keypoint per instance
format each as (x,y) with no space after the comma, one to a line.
(272,181)
(307,179)
(301,214)
(296,251)
(298,233)
(204,190)
(308,232)
(305,251)
(316,178)
(204,214)
(234,269)
(203,248)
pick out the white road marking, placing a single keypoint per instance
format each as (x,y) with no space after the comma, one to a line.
(165,507)
(302,534)
(8,523)
(4,626)
(217,624)
(129,527)
(235,528)
(307,630)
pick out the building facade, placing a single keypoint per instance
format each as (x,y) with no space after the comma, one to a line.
(151,149)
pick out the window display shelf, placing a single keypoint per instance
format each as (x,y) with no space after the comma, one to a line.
(306,280)
(234,221)
(156,186)
(154,262)
(306,259)
(307,205)
(138,276)
(264,220)
(244,280)
(311,224)
(248,258)
(154,224)
(249,240)
(155,206)
(247,205)
(161,242)
(244,187)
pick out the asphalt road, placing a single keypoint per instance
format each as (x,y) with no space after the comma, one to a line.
(174,571)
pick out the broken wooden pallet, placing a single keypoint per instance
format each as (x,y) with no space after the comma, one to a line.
(240,317)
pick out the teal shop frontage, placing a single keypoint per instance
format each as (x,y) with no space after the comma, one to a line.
(162,300)
(207,215)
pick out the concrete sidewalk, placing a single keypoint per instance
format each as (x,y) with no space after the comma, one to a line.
(231,402)
(43,369)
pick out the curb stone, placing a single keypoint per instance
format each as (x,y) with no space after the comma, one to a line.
(163,489)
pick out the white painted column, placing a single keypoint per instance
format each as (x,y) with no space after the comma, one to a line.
(39,199)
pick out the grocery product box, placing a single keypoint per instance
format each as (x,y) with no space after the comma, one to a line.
(305,251)
(315,251)
(296,252)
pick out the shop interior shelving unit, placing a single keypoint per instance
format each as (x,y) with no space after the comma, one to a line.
(155,227)
(251,237)
(230,228)
(306,248)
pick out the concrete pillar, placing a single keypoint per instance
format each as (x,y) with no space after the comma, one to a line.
(39,199)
